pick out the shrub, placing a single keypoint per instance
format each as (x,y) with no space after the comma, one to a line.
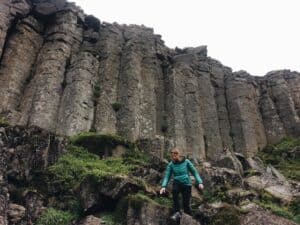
(55,217)
(97,90)
(116,106)
(73,167)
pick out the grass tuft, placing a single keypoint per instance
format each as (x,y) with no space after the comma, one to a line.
(55,217)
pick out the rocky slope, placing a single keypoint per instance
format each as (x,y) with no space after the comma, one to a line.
(67,72)
(46,179)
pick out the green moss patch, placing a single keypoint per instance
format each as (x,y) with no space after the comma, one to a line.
(291,212)
(284,156)
(227,216)
(3,121)
(73,167)
(56,217)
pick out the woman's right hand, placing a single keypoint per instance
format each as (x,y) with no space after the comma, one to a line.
(162,190)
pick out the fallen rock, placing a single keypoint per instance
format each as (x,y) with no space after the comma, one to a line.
(239,195)
(262,217)
(141,212)
(218,176)
(95,191)
(188,220)
(15,213)
(217,213)
(90,220)
(283,191)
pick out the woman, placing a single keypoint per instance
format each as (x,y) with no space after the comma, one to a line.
(180,168)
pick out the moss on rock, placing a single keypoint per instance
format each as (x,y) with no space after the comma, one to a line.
(56,217)
(73,167)
(284,156)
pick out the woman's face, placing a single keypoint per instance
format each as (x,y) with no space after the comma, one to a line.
(175,155)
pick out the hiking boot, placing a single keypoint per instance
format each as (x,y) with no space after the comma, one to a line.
(176,216)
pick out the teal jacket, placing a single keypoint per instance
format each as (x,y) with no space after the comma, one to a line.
(181,170)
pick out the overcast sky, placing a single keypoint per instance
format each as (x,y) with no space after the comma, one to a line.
(254,35)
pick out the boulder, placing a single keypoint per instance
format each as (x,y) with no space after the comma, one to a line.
(218,176)
(188,220)
(99,191)
(90,220)
(141,212)
(15,213)
(229,160)
(218,213)
(262,217)
(239,195)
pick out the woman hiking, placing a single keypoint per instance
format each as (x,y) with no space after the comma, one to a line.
(182,184)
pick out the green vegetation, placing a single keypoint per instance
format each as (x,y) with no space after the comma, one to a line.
(3,121)
(109,219)
(227,216)
(116,106)
(291,212)
(215,195)
(167,202)
(55,217)
(78,164)
(284,156)
(97,90)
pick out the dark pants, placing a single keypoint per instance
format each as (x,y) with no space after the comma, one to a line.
(185,191)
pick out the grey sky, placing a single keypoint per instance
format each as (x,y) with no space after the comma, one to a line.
(253,35)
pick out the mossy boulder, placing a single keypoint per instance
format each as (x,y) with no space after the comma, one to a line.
(143,211)
(284,156)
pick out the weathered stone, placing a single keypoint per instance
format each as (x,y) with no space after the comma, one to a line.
(229,160)
(217,176)
(246,123)
(188,220)
(146,213)
(95,191)
(15,213)
(239,195)
(78,115)
(263,217)
(17,63)
(42,96)
(282,97)
(91,220)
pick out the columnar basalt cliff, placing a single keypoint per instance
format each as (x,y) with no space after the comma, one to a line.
(67,72)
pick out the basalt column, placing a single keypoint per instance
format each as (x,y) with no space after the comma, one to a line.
(246,123)
(42,96)
(209,116)
(274,128)
(8,11)
(282,97)
(110,47)
(218,72)
(17,63)
(183,107)
(293,81)
(136,117)
(77,106)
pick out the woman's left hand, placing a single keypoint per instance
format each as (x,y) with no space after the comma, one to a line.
(200,186)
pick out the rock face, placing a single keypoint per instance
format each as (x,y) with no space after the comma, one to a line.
(67,72)
(23,153)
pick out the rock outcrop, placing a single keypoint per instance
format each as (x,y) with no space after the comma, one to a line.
(67,72)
